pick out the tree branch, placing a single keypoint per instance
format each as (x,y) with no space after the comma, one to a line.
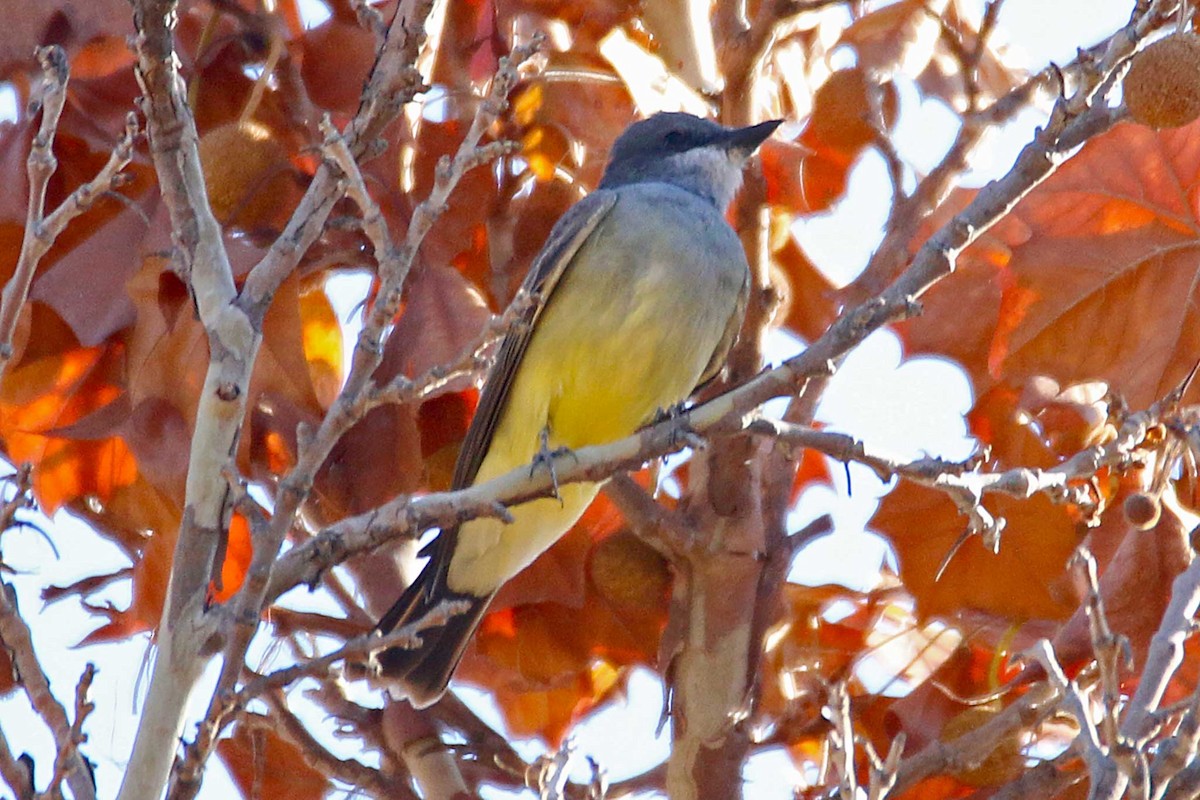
(15,636)
(41,231)
(394,266)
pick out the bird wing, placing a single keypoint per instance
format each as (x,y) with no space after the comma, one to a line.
(732,328)
(565,239)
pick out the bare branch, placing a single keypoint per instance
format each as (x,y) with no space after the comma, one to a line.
(394,265)
(1166,651)
(76,736)
(964,483)
(406,636)
(971,749)
(14,634)
(41,231)
(1105,774)
(347,770)
(15,772)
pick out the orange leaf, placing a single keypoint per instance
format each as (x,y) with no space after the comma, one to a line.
(338,55)
(443,422)
(1136,577)
(1019,582)
(322,344)
(1102,280)
(903,35)
(238,551)
(264,764)
(807,307)
(54,385)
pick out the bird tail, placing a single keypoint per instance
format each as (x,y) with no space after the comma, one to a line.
(422,673)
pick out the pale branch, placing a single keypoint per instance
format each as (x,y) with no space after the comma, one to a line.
(1091,68)
(347,770)
(963,481)
(968,751)
(76,736)
(1102,767)
(842,738)
(407,636)
(15,636)
(1178,753)
(15,772)
(42,230)
(1112,651)
(50,95)
(1166,651)
(232,321)
(394,266)
(884,772)
(187,635)
(394,81)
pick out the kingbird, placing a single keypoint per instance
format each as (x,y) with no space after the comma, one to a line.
(641,290)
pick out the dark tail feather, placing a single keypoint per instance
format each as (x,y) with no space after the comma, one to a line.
(422,673)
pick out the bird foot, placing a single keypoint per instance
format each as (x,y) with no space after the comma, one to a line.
(681,433)
(544,458)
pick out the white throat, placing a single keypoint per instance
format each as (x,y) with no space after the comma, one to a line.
(710,170)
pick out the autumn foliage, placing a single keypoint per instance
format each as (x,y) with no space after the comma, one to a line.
(1071,314)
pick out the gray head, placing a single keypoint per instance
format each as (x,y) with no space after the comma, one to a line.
(693,153)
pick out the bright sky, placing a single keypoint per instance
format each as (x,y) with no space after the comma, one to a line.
(903,408)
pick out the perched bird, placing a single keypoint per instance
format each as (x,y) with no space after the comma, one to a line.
(642,288)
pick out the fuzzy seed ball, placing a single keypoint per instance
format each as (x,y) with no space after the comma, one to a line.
(1162,88)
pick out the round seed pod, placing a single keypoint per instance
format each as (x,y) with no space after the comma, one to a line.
(1162,87)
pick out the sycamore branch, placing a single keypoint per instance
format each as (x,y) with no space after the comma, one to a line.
(394,266)
(42,230)
(69,763)
(964,483)
(1091,69)
(232,321)
(17,640)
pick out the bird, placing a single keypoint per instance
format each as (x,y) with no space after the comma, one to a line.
(640,291)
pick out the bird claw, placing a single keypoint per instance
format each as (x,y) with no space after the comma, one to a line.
(681,433)
(545,457)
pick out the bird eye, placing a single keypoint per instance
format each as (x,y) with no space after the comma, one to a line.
(674,139)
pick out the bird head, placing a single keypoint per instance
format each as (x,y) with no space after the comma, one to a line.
(696,154)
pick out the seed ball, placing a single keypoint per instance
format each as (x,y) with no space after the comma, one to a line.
(1162,88)
(1142,510)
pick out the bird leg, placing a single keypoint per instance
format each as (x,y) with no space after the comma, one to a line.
(545,456)
(681,433)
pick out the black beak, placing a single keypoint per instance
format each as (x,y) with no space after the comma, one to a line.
(750,137)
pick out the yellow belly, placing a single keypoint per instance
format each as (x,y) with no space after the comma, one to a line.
(611,348)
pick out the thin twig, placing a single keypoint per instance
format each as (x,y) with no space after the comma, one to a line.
(963,482)
(15,636)
(1105,774)
(1166,651)
(15,772)
(406,636)
(41,230)
(394,265)
(76,736)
